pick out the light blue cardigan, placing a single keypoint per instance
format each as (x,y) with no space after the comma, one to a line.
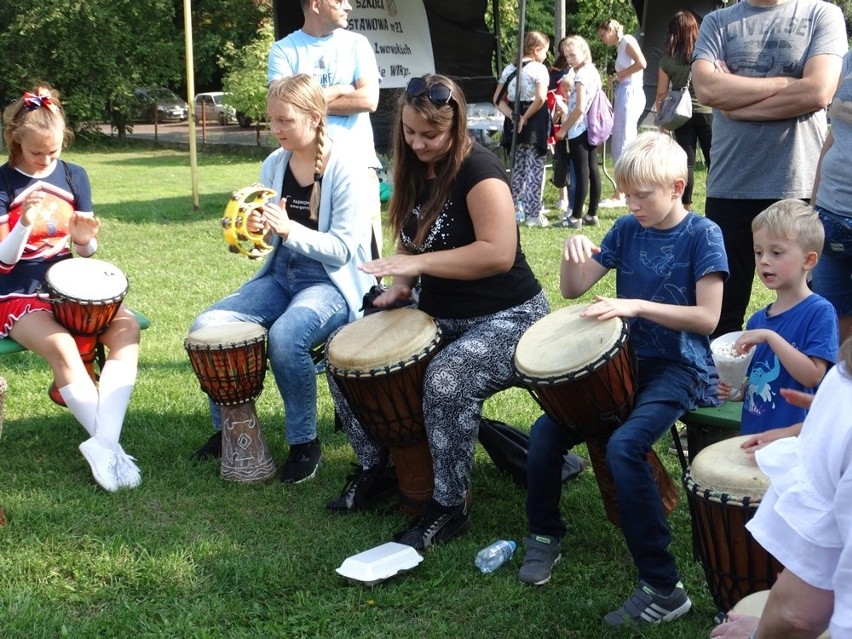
(345,232)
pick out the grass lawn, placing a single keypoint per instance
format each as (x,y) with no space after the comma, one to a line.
(190,555)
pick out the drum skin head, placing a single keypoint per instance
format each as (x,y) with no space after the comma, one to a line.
(725,468)
(382,340)
(87,279)
(225,335)
(562,344)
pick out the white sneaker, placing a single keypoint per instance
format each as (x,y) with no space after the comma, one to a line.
(127,472)
(103,462)
(538,220)
(612,203)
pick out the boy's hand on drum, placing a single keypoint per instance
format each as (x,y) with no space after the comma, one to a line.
(605,308)
(83,227)
(578,249)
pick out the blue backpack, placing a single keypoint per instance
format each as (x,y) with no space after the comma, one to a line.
(599,119)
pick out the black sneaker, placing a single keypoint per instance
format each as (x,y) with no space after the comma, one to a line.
(302,463)
(436,524)
(212,448)
(366,488)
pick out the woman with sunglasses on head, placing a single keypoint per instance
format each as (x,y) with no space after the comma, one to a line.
(453,213)
(309,285)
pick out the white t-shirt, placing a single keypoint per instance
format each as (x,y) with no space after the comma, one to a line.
(805,518)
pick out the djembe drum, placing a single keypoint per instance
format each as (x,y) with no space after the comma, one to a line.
(379,363)
(724,487)
(85,295)
(581,372)
(230,363)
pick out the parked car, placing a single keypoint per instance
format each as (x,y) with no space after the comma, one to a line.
(211,106)
(160,101)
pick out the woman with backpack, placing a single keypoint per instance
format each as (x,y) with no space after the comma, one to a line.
(529,86)
(583,155)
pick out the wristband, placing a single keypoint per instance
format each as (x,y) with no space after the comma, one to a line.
(85,250)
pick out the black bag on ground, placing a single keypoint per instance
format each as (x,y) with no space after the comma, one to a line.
(507,447)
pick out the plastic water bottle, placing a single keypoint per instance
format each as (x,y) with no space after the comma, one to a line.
(492,557)
(520,215)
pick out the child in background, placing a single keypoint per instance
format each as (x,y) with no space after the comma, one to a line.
(563,177)
(31,241)
(670,264)
(795,337)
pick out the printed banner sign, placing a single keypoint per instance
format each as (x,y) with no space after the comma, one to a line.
(398,31)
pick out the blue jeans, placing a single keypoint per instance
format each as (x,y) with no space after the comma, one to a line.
(666,391)
(300,307)
(832,277)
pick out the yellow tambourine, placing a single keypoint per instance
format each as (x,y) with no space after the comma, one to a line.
(242,203)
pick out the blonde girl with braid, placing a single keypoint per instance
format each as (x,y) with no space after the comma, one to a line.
(310,284)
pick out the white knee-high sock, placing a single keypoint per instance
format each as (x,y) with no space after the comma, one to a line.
(81,398)
(114,389)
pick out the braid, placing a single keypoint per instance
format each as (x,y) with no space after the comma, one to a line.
(318,169)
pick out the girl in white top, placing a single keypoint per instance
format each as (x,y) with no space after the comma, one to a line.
(629,99)
(587,83)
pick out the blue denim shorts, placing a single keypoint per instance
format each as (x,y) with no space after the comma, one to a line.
(832,277)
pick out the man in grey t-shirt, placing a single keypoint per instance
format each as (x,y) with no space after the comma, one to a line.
(768,68)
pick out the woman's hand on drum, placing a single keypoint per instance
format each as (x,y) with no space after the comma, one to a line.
(605,308)
(736,627)
(397,265)
(578,249)
(83,227)
(392,295)
(276,220)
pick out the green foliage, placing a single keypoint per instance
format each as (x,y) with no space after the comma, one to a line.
(245,76)
(218,25)
(582,17)
(93,51)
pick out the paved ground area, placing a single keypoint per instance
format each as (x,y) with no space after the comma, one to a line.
(178,132)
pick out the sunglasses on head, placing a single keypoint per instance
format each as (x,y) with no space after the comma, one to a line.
(439,94)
